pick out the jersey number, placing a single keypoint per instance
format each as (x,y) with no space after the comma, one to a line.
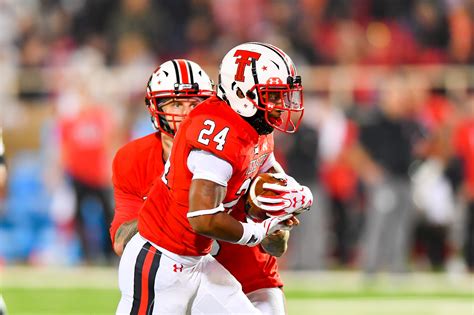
(206,134)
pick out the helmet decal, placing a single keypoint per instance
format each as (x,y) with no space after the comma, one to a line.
(245,58)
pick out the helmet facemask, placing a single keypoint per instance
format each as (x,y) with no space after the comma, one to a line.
(282,104)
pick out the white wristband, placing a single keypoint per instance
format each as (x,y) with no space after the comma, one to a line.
(251,235)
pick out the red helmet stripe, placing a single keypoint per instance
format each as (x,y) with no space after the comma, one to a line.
(184,71)
(292,70)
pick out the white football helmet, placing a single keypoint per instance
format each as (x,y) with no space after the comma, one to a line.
(177,78)
(259,81)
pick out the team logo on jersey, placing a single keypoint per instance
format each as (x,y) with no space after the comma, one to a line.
(256,163)
(177,268)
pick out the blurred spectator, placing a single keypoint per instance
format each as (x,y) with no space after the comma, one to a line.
(461,28)
(435,180)
(86,138)
(336,137)
(3,171)
(429,24)
(464,146)
(32,83)
(135,60)
(142,18)
(388,139)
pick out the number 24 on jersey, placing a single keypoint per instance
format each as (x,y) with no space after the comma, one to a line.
(208,132)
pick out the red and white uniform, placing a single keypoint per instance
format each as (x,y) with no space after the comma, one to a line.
(213,127)
(136,166)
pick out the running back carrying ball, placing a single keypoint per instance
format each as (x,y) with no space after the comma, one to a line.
(253,206)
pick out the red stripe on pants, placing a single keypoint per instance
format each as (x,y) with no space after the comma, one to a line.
(145,273)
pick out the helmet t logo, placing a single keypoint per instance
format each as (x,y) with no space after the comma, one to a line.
(244,60)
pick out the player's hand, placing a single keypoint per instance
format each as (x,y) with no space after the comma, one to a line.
(290,199)
(260,230)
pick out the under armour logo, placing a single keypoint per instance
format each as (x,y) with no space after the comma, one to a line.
(244,61)
(295,201)
(274,80)
(177,268)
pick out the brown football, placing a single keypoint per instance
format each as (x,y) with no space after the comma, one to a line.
(256,189)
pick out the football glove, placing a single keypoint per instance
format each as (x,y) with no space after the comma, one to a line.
(255,232)
(290,199)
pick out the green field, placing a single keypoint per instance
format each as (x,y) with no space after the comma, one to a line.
(93,291)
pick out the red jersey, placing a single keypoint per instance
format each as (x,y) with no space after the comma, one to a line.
(134,168)
(214,127)
(85,139)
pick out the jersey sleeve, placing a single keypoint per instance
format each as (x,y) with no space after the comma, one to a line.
(126,196)
(205,165)
(215,135)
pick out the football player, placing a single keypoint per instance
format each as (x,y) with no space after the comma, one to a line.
(219,149)
(139,162)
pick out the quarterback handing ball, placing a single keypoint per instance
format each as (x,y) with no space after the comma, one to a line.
(252,207)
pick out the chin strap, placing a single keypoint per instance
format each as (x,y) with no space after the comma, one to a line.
(198,213)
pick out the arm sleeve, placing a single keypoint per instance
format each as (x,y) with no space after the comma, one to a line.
(126,209)
(205,165)
(127,200)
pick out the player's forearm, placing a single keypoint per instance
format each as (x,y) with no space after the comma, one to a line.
(123,235)
(276,244)
(219,226)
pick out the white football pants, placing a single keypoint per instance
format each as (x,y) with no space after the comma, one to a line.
(155,281)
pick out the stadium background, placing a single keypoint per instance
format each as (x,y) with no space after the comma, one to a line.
(355,57)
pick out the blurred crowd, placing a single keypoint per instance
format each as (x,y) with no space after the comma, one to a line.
(387,143)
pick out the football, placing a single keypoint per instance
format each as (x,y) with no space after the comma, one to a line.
(256,189)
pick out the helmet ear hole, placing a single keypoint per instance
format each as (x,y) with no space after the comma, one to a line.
(239,93)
